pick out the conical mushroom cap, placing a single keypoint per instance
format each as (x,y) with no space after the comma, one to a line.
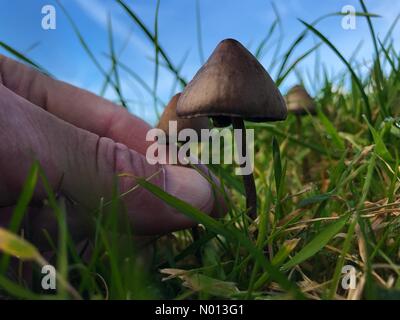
(169,114)
(232,83)
(299,101)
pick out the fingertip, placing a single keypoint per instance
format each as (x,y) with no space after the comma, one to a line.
(190,186)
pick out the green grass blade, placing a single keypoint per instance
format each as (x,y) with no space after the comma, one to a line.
(349,67)
(18,291)
(23,57)
(81,39)
(331,131)
(216,227)
(295,63)
(278,173)
(390,30)
(21,207)
(346,247)
(315,199)
(86,47)
(380,147)
(140,80)
(316,244)
(63,239)
(264,41)
(24,198)
(110,71)
(228,177)
(114,66)
(151,37)
(373,36)
(199,32)
(312,146)
(379,77)
(16,246)
(156,59)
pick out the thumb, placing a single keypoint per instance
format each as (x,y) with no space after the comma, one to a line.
(89,176)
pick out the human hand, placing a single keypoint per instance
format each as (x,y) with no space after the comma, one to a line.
(82,142)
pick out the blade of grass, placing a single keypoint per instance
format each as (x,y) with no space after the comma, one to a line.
(349,67)
(156,56)
(199,33)
(110,71)
(151,37)
(261,239)
(62,259)
(331,130)
(303,34)
(17,247)
(377,64)
(264,41)
(317,243)
(350,232)
(390,30)
(21,207)
(140,80)
(227,176)
(276,131)
(278,260)
(20,292)
(391,63)
(23,57)
(380,147)
(218,228)
(295,63)
(278,175)
(85,46)
(114,66)
(180,66)
(339,265)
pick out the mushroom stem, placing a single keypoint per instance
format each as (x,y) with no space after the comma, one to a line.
(248,180)
(305,167)
(298,125)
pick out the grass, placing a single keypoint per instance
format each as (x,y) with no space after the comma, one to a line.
(328,198)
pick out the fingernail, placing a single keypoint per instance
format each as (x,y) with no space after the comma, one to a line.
(188,185)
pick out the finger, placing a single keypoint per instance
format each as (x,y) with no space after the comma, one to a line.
(76,106)
(83,166)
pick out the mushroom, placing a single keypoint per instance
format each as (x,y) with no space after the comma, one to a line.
(232,86)
(169,114)
(300,103)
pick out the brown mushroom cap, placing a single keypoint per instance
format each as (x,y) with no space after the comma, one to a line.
(299,102)
(170,114)
(232,83)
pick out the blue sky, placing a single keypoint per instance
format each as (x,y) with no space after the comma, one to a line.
(60,52)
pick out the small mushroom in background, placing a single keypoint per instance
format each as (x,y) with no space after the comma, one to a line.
(169,114)
(232,86)
(300,103)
